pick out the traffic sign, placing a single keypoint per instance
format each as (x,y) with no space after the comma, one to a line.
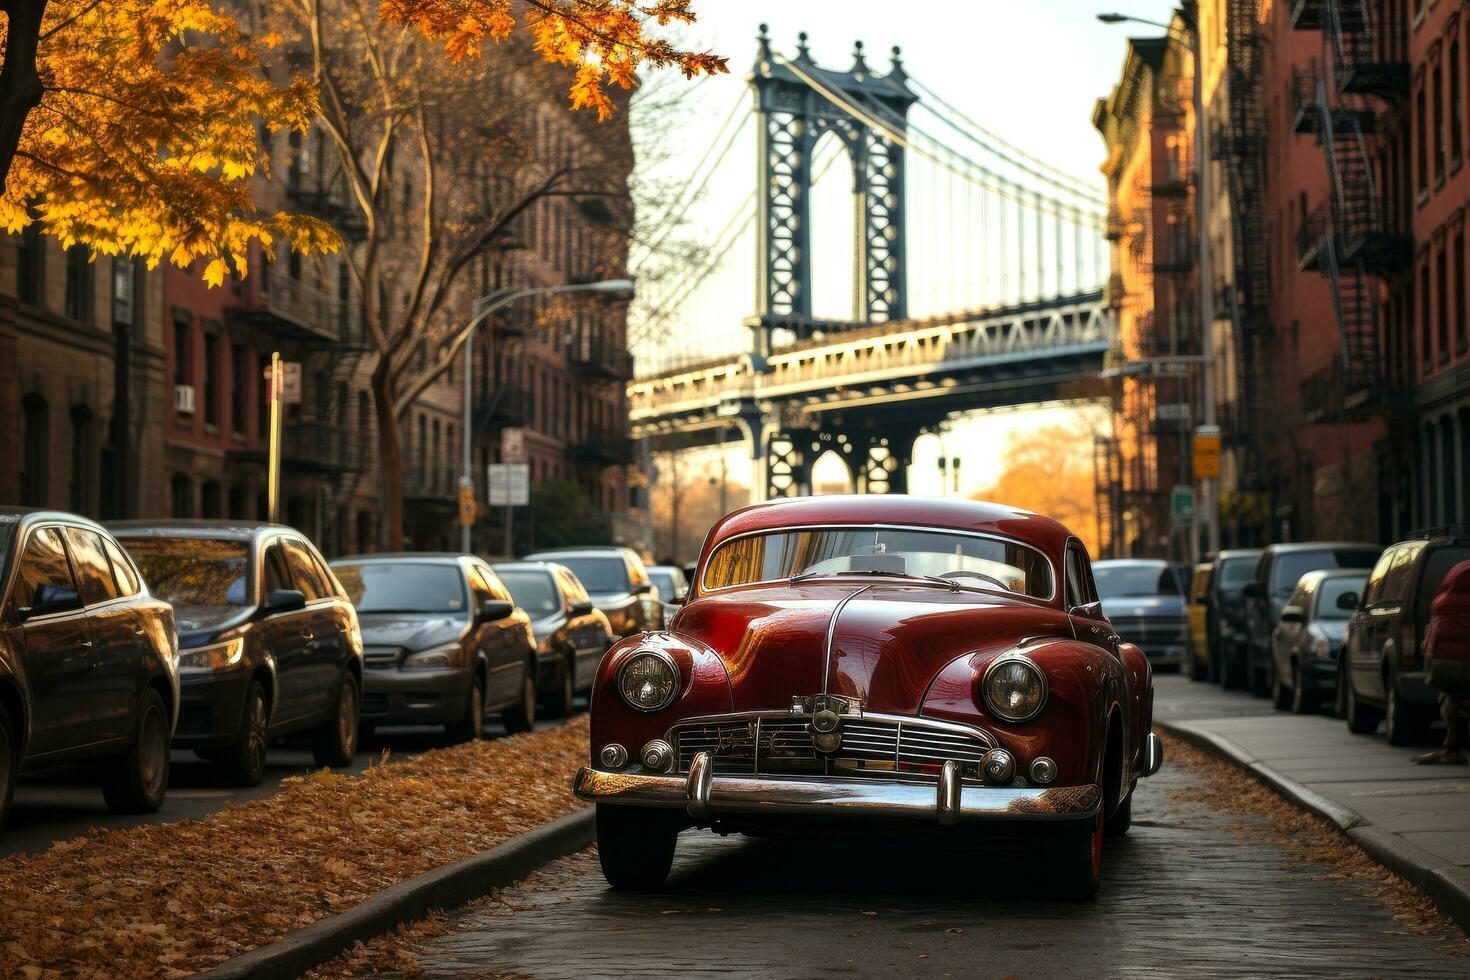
(1173,412)
(468,509)
(510,484)
(1207,452)
(1182,501)
(513,445)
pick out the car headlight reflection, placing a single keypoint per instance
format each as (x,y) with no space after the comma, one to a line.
(438,657)
(648,681)
(1014,688)
(216,656)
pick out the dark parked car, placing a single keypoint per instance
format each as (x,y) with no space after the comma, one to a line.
(268,643)
(672,587)
(443,643)
(1278,570)
(618,583)
(1144,600)
(87,667)
(571,633)
(1382,674)
(1226,627)
(1308,634)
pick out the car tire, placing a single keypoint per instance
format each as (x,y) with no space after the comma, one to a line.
(1280,696)
(243,763)
(1361,718)
(1303,702)
(635,846)
(9,763)
(470,727)
(1078,859)
(1403,725)
(137,781)
(521,717)
(334,741)
(559,704)
(1122,818)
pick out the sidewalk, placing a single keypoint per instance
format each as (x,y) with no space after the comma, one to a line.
(1415,820)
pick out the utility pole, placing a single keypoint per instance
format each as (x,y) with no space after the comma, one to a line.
(273,465)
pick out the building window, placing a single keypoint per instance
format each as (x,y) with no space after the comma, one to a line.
(35,436)
(1438,81)
(1457,106)
(30,266)
(211,379)
(239,392)
(1442,299)
(183,352)
(1421,141)
(81,458)
(1461,313)
(1426,320)
(123,306)
(181,496)
(79,284)
(209,499)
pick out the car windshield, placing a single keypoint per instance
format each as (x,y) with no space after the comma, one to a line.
(206,580)
(1292,565)
(598,573)
(967,559)
(403,587)
(1333,589)
(1134,579)
(1235,572)
(669,585)
(532,589)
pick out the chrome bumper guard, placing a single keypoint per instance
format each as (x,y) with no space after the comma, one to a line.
(703,795)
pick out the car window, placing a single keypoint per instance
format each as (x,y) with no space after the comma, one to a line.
(44,577)
(1330,591)
(1235,572)
(479,587)
(276,575)
(403,586)
(89,561)
(322,569)
(493,583)
(1401,573)
(1437,565)
(1076,593)
(572,588)
(1135,578)
(304,573)
(1292,565)
(122,569)
(1300,596)
(599,573)
(1374,588)
(533,590)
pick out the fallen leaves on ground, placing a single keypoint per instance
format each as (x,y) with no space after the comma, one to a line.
(1309,839)
(173,899)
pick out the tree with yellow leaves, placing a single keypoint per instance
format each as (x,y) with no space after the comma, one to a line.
(1049,470)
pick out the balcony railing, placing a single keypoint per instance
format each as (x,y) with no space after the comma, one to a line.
(597,356)
(601,446)
(325,446)
(505,405)
(1174,251)
(274,301)
(1315,227)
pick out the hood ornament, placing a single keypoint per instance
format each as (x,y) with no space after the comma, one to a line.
(811,704)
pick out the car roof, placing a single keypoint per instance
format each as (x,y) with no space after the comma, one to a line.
(599,551)
(1230,553)
(1320,545)
(1149,562)
(666,568)
(36,515)
(427,557)
(178,527)
(527,563)
(1327,573)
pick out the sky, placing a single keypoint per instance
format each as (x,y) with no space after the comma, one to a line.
(1029,70)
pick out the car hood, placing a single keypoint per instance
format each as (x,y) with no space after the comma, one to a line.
(608,601)
(1143,606)
(888,641)
(409,630)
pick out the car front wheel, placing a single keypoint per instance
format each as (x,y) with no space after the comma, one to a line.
(521,716)
(635,845)
(1361,719)
(1078,857)
(468,728)
(138,781)
(1404,725)
(1303,702)
(244,761)
(334,741)
(559,703)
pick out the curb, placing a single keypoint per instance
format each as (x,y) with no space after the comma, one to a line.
(1446,884)
(441,888)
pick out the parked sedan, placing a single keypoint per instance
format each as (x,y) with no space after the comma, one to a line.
(1144,600)
(672,587)
(571,634)
(442,641)
(1309,631)
(269,644)
(1229,637)
(618,583)
(87,670)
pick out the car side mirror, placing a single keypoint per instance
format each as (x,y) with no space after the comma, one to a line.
(1348,600)
(495,608)
(1091,610)
(581,608)
(1254,590)
(50,599)
(285,600)
(1293,614)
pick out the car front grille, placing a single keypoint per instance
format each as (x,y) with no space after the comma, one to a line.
(1151,631)
(776,744)
(381,656)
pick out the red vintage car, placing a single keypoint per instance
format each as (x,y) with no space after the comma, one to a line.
(878,659)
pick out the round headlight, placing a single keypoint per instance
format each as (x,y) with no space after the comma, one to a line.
(648,681)
(1014,688)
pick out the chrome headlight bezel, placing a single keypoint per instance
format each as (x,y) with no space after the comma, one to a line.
(663,658)
(214,656)
(992,705)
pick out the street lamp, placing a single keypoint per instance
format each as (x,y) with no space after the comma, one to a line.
(482,308)
(1210,505)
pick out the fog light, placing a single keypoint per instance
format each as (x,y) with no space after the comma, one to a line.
(1043,771)
(658,755)
(999,766)
(614,756)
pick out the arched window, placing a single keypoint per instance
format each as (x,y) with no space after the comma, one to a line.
(35,438)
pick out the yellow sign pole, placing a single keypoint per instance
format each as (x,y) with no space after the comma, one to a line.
(273,456)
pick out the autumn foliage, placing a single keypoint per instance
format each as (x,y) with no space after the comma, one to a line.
(1049,470)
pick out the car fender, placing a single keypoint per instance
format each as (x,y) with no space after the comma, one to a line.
(704,690)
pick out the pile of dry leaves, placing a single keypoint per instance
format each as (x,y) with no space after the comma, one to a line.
(173,899)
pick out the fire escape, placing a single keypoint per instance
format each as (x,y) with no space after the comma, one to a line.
(1350,238)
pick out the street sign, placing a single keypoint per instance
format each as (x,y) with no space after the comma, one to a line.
(291,382)
(510,484)
(513,445)
(1182,504)
(1175,412)
(1207,452)
(468,509)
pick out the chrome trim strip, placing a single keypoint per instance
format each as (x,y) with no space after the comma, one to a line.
(1153,755)
(831,631)
(819,796)
(916,724)
(947,795)
(698,786)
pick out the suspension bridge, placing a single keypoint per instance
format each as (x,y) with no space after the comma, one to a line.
(975,280)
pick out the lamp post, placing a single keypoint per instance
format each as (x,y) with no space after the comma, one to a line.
(482,308)
(1209,502)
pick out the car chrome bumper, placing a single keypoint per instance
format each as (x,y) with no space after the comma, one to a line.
(702,794)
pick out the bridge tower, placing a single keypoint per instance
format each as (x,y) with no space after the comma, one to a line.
(797,103)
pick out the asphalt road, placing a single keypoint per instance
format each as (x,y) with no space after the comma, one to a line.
(1184,894)
(64,804)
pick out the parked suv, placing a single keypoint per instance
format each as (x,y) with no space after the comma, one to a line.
(1381,675)
(86,660)
(618,583)
(1144,600)
(268,643)
(443,643)
(1226,626)
(1278,570)
(571,633)
(1308,635)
